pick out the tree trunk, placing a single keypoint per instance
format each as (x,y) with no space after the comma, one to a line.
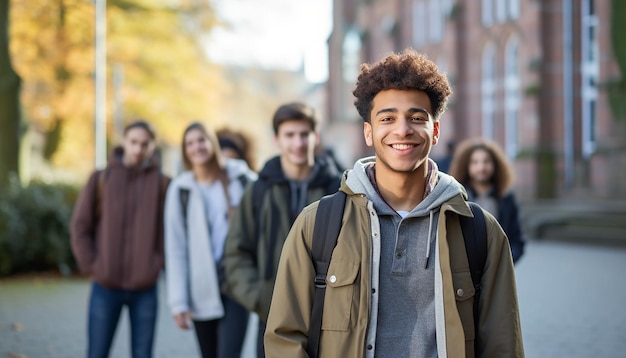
(9,102)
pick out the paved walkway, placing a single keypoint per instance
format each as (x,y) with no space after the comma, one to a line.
(47,318)
(571,299)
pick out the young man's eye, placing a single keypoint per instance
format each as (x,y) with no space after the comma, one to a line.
(419,119)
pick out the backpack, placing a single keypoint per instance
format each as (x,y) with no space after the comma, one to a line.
(183,197)
(326,231)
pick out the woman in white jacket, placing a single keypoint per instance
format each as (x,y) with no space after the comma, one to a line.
(198,206)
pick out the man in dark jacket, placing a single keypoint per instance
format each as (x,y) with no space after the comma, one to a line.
(286,184)
(117,238)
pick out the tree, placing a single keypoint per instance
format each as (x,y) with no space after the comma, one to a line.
(167,79)
(9,103)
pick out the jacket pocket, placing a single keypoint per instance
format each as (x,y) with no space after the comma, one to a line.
(464,293)
(340,289)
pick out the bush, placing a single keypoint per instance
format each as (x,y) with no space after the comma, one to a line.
(34,227)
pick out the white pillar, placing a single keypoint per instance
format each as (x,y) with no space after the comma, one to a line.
(100,85)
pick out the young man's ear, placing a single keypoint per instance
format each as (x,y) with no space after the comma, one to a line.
(436,132)
(367,133)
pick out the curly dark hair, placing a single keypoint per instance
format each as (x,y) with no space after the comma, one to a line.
(409,70)
(502,179)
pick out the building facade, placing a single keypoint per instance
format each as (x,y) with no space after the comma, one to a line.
(531,75)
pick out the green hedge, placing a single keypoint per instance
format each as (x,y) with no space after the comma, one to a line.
(34,228)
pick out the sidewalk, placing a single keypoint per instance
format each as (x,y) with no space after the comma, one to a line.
(595,222)
(55,326)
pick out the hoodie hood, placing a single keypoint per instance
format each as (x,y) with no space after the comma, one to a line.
(117,154)
(321,176)
(356,181)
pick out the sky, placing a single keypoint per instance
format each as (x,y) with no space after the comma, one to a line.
(274,34)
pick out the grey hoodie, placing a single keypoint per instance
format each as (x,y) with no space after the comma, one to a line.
(405,324)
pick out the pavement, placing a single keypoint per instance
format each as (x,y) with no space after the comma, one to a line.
(571,300)
(47,317)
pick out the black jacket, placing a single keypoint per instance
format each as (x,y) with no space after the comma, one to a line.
(508,217)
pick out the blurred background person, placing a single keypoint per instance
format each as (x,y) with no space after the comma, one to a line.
(117,238)
(198,207)
(237,145)
(287,183)
(481,166)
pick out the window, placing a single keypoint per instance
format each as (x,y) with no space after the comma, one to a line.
(487,12)
(590,69)
(513,8)
(436,21)
(501,10)
(512,96)
(488,91)
(419,23)
(351,55)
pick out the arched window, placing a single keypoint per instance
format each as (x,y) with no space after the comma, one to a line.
(512,96)
(488,91)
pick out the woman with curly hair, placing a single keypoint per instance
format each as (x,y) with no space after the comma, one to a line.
(481,166)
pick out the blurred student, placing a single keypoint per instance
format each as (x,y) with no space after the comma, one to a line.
(481,166)
(198,207)
(237,145)
(117,238)
(286,184)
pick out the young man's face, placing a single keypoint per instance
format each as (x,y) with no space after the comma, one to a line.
(481,167)
(296,141)
(401,130)
(138,145)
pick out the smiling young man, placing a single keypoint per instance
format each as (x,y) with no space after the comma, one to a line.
(286,184)
(398,283)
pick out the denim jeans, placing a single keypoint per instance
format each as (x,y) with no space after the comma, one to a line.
(105,307)
(223,338)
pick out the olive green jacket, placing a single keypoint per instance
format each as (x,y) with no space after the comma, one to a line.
(255,239)
(348,308)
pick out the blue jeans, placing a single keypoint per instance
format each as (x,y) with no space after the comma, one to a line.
(105,307)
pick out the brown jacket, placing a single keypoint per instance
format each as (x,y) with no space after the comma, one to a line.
(117,225)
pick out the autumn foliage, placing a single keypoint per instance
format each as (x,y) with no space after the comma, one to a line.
(155,44)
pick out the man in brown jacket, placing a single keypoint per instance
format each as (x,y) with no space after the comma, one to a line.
(398,282)
(117,238)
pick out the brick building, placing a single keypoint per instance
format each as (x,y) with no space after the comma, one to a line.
(529,74)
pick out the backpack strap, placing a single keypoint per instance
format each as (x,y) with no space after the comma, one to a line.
(183,196)
(326,230)
(475,237)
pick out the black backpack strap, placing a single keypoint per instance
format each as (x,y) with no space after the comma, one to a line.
(327,225)
(184,199)
(475,237)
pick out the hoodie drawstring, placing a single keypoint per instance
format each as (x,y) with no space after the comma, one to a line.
(428,242)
